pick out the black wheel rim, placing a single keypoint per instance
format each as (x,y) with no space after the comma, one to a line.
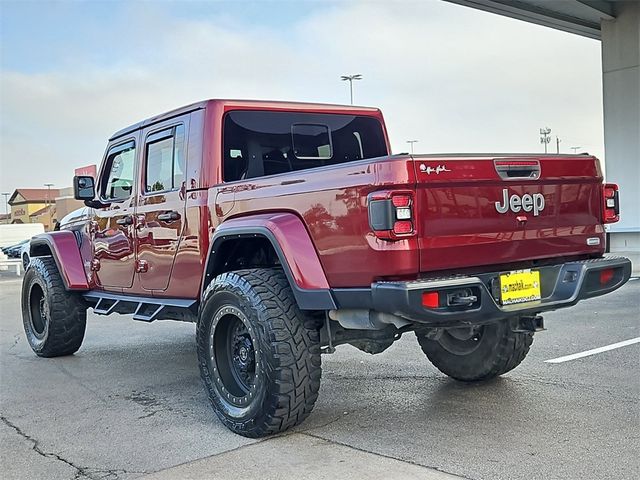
(233,357)
(38,308)
(462,341)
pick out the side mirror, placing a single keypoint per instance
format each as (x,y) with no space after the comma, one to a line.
(84,188)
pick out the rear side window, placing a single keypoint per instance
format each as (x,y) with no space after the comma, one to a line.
(117,180)
(258,143)
(164,160)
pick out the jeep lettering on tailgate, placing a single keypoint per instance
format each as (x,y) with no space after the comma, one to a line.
(516,203)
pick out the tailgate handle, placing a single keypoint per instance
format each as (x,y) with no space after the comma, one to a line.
(518,169)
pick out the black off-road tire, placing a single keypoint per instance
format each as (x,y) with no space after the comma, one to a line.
(54,319)
(497,350)
(259,355)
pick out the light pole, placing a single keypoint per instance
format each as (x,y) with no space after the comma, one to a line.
(350,79)
(545,137)
(575,149)
(48,185)
(411,142)
(6,202)
(558,144)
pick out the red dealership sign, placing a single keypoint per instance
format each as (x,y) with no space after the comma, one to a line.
(89,171)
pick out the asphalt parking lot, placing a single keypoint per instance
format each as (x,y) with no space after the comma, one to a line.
(130,403)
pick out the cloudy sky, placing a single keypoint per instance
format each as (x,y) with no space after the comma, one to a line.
(456,79)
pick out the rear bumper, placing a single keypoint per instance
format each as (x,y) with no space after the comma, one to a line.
(563,285)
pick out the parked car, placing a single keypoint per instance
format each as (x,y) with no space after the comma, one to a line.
(25,255)
(17,232)
(286,229)
(14,251)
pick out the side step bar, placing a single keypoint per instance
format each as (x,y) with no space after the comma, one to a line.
(146,309)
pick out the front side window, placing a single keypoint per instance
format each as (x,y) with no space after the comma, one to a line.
(118,175)
(258,143)
(164,166)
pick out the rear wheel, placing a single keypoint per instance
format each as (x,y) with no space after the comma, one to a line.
(471,354)
(259,355)
(54,319)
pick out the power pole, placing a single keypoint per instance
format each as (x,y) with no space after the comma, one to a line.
(350,79)
(411,142)
(558,144)
(545,137)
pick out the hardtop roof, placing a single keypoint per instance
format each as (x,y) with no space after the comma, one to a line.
(262,104)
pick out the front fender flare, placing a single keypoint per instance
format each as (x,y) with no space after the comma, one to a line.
(63,247)
(294,248)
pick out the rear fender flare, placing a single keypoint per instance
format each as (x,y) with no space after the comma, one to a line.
(63,247)
(292,243)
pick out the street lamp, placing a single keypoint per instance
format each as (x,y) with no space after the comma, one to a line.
(575,149)
(6,202)
(350,79)
(48,185)
(411,142)
(545,137)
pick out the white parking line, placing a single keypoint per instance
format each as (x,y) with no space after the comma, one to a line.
(594,351)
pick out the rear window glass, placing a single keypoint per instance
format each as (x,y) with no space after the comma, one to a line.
(258,143)
(311,141)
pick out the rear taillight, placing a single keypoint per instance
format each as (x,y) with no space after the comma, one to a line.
(610,203)
(391,214)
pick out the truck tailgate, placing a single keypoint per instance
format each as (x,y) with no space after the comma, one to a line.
(488,210)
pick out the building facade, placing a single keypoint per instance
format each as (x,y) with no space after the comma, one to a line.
(34,205)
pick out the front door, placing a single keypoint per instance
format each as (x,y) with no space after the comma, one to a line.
(112,228)
(161,203)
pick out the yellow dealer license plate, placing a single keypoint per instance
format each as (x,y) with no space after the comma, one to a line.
(519,286)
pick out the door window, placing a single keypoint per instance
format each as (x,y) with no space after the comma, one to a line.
(117,179)
(164,164)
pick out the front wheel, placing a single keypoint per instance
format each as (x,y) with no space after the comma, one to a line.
(54,319)
(472,354)
(259,355)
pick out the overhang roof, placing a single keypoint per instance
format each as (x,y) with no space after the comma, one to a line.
(581,17)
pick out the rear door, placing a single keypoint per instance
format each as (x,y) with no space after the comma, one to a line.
(481,211)
(160,213)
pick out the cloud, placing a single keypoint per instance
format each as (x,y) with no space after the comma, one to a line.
(454,78)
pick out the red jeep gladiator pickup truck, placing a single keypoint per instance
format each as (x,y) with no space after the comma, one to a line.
(285,229)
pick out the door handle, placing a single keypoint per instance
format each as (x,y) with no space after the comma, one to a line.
(169,216)
(126,220)
(141,222)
